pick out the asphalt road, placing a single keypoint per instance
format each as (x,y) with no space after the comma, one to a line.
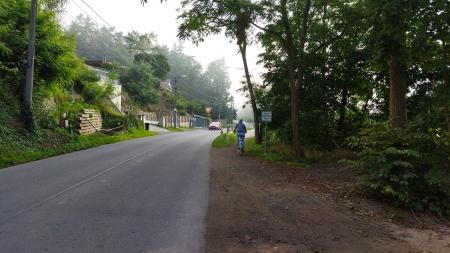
(145,195)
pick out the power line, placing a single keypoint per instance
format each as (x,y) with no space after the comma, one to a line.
(118,54)
(96,13)
(198,92)
(111,49)
(79,7)
(113,35)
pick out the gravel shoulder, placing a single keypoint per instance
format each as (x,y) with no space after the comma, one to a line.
(261,206)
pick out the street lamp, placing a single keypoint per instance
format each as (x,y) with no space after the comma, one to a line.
(175,99)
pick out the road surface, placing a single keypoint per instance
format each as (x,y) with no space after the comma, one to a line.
(145,195)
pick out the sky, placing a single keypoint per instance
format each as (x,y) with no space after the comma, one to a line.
(161,19)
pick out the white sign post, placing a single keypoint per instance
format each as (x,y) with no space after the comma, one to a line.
(266,116)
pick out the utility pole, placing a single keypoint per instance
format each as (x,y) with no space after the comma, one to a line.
(175,102)
(219,111)
(174,88)
(233,116)
(27,110)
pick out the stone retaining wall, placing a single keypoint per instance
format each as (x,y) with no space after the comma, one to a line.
(89,122)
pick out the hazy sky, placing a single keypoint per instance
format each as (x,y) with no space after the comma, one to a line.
(160,18)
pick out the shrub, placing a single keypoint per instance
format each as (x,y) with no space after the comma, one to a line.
(406,167)
(314,122)
(132,121)
(94,92)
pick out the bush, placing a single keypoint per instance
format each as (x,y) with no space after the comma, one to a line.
(132,121)
(94,92)
(407,167)
(314,122)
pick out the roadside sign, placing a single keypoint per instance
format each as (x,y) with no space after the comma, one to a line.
(266,116)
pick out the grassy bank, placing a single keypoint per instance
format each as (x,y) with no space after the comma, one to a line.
(274,153)
(173,129)
(180,129)
(224,140)
(279,152)
(36,148)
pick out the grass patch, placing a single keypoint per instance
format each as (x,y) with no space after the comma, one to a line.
(13,153)
(224,140)
(188,129)
(275,153)
(279,152)
(173,129)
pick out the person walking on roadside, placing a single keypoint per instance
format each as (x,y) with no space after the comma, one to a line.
(240,131)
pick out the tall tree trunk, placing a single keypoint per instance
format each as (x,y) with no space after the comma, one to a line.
(397,93)
(342,110)
(447,89)
(296,70)
(243,50)
(27,104)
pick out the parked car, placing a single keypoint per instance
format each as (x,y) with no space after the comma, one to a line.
(215,125)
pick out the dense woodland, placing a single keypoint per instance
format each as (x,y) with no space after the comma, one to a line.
(367,75)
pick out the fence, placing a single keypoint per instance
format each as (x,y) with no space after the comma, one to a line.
(167,120)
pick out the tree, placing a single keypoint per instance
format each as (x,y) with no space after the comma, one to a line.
(55,63)
(296,66)
(217,85)
(201,18)
(391,21)
(142,85)
(100,43)
(140,43)
(157,61)
(27,104)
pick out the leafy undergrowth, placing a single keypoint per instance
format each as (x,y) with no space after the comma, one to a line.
(272,153)
(224,140)
(280,152)
(45,144)
(405,167)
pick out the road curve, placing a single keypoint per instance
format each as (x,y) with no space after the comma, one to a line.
(144,195)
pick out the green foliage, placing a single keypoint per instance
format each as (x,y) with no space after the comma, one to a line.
(157,61)
(97,43)
(140,43)
(276,150)
(314,122)
(95,92)
(342,76)
(46,144)
(406,167)
(224,140)
(141,84)
(197,89)
(173,129)
(132,121)
(55,61)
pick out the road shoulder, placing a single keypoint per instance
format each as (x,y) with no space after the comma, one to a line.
(259,206)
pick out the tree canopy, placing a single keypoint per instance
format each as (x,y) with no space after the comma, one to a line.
(366,74)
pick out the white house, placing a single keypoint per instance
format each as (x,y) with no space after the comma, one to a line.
(105,79)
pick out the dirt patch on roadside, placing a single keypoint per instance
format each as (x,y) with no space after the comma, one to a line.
(259,206)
